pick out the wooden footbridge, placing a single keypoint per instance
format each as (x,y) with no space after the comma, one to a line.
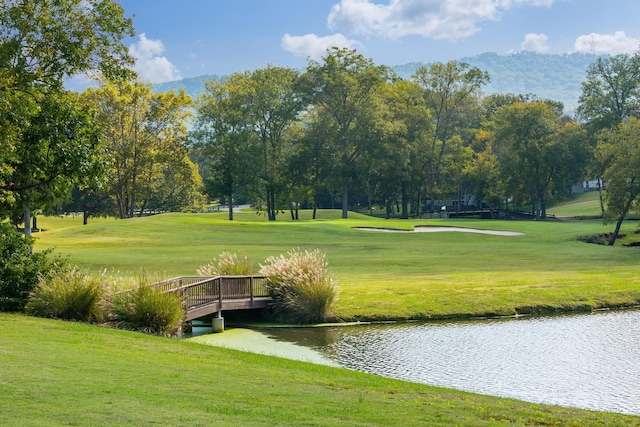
(205,296)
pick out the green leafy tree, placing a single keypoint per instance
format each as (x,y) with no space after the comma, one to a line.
(243,132)
(408,132)
(59,145)
(621,147)
(611,91)
(482,173)
(610,95)
(539,155)
(92,201)
(311,160)
(223,139)
(273,106)
(343,88)
(449,89)
(44,42)
(146,142)
(41,44)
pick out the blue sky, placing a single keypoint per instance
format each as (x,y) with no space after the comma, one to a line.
(195,37)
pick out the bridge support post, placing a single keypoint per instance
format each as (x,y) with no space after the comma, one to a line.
(217,323)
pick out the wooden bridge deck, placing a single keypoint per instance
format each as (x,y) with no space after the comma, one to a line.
(204,296)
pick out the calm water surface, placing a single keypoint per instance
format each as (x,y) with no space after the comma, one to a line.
(589,361)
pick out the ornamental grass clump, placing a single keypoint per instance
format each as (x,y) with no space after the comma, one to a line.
(228,264)
(148,310)
(301,286)
(68,294)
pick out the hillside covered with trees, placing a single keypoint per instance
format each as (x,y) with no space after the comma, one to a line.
(548,76)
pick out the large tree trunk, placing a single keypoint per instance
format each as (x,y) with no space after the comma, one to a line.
(345,199)
(143,207)
(600,195)
(405,201)
(272,203)
(315,204)
(614,236)
(230,204)
(27,219)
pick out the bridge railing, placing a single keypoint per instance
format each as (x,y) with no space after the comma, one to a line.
(239,287)
(177,282)
(202,291)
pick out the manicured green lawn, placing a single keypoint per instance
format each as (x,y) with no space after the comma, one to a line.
(381,275)
(58,373)
(585,204)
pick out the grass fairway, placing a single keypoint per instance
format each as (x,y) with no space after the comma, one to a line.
(58,373)
(381,275)
(585,204)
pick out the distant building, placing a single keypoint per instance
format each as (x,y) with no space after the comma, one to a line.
(585,186)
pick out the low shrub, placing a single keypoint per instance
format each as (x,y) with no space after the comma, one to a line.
(69,295)
(148,310)
(228,264)
(301,286)
(21,268)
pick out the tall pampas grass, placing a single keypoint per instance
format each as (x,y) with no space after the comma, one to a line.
(228,264)
(301,285)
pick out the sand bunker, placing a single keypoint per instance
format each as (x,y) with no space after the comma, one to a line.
(434,229)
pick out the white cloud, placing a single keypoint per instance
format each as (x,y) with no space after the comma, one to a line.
(535,3)
(612,44)
(535,42)
(313,46)
(150,66)
(438,19)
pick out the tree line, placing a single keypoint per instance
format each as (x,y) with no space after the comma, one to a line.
(345,132)
(349,131)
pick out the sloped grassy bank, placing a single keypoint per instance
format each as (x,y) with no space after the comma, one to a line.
(62,373)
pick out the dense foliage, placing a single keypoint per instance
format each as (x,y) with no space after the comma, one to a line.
(347,131)
(48,137)
(21,268)
(610,107)
(621,147)
(145,143)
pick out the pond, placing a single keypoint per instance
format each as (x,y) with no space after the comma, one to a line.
(589,361)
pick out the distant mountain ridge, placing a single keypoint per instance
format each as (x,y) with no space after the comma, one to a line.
(548,76)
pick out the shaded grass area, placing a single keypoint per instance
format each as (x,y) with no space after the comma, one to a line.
(381,275)
(61,373)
